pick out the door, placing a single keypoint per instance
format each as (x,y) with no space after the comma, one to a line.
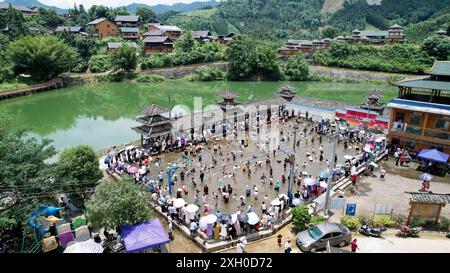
(336,238)
(322,243)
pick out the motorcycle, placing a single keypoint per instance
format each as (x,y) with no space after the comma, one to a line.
(371,231)
(406,231)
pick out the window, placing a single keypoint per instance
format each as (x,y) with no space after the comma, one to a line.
(415,119)
(107,25)
(326,237)
(336,234)
(442,123)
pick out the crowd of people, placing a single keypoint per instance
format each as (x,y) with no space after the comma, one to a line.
(235,163)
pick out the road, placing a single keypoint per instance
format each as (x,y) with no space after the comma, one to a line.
(400,245)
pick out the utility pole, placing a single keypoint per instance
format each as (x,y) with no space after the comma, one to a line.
(292,161)
(330,178)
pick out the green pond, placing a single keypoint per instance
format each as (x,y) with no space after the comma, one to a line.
(101,115)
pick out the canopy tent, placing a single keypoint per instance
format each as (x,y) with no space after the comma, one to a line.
(88,246)
(146,235)
(433,155)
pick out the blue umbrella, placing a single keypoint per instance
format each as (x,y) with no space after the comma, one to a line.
(426,176)
(324,174)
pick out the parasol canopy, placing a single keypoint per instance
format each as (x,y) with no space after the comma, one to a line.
(88,246)
(242,217)
(324,185)
(348,157)
(132,169)
(253,218)
(426,177)
(367,149)
(179,202)
(310,181)
(282,195)
(275,202)
(296,202)
(233,218)
(150,234)
(324,174)
(192,208)
(130,147)
(433,155)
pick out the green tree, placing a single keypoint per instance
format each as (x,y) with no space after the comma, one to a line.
(241,56)
(339,49)
(124,58)
(117,203)
(297,69)
(15,22)
(267,61)
(438,47)
(78,169)
(48,18)
(42,57)
(301,217)
(330,32)
(6,72)
(145,14)
(186,44)
(26,179)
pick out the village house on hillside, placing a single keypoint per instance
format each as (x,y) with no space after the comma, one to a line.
(157,44)
(173,32)
(202,36)
(129,33)
(72,29)
(294,47)
(113,46)
(127,20)
(103,27)
(394,35)
(25,10)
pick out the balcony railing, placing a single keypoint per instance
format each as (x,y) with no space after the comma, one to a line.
(437,134)
(412,130)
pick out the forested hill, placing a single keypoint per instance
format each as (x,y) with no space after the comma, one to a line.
(281,19)
(431,14)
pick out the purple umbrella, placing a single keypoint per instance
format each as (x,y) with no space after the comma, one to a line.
(133,169)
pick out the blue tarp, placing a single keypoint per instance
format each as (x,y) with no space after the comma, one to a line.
(433,155)
(143,236)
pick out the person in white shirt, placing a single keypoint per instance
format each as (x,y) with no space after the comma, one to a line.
(287,247)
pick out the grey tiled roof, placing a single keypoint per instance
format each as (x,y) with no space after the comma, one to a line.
(430,198)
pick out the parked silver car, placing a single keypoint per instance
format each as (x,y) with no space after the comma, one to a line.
(317,237)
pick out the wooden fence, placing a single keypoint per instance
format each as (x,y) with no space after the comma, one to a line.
(51,84)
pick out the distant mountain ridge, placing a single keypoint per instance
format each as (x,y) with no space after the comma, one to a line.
(180,7)
(34,3)
(158,9)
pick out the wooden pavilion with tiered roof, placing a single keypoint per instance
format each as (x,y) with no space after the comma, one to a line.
(155,122)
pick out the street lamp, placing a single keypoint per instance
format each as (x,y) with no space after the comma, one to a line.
(330,176)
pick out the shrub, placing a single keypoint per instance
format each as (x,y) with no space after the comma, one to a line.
(444,224)
(208,74)
(156,61)
(383,220)
(301,217)
(351,222)
(317,219)
(100,63)
(149,78)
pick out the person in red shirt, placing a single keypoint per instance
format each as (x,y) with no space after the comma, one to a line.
(354,177)
(354,246)
(402,160)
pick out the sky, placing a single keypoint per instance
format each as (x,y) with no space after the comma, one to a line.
(110,3)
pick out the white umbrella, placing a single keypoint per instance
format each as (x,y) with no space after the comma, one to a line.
(304,173)
(348,156)
(202,223)
(367,149)
(296,202)
(179,202)
(191,208)
(88,246)
(142,171)
(210,218)
(233,218)
(323,185)
(275,202)
(281,195)
(253,218)
(310,182)
(129,147)
(378,140)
